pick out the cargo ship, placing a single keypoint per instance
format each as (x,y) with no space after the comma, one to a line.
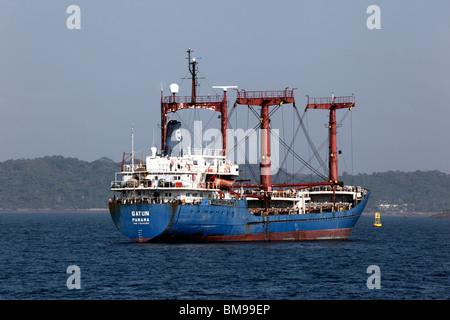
(182,193)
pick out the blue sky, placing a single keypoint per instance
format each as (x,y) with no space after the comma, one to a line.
(77,93)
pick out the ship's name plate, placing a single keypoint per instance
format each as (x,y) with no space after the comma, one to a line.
(140,217)
(140,213)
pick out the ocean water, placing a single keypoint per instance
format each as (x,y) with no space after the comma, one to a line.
(36,249)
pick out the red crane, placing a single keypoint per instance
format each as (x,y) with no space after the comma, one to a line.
(265,99)
(332,104)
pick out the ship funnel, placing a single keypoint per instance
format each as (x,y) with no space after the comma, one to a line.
(173,145)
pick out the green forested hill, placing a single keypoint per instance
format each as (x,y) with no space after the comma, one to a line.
(55,183)
(67,183)
(418,191)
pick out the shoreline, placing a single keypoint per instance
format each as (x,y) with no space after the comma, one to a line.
(54,210)
(411,214)
(106,210)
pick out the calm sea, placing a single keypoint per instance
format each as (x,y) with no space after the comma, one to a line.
(412,255)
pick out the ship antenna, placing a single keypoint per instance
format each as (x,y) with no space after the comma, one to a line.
(193,70)
(132,147)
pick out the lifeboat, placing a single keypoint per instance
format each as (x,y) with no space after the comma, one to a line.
(223,184)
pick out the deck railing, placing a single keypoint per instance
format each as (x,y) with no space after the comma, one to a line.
(204,152)
(331,100)
(188,99)
(287,93)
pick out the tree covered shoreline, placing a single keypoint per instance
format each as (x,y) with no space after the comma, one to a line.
(59,183)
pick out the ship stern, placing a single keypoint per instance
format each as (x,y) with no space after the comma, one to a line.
(143,222)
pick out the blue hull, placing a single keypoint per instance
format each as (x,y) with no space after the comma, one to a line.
(228,221)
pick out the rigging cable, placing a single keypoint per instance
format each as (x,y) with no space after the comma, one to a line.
(298,157)
(311,157)
(290,146)
(244,139)
(322,145)
(311,144)
(351,138)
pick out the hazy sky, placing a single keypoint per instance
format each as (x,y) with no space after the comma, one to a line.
(77,93)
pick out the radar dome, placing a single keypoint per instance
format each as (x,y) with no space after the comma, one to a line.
(174,88)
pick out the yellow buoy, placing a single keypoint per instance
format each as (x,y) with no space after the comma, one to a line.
(377,220)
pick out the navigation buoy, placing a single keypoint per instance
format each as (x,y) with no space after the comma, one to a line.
(377,220)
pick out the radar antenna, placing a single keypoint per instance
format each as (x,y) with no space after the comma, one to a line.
(193,70)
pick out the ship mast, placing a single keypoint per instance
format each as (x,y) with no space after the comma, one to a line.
(132,148)
(192,63)
(270,98)
(265,99)
(215,103)
(332,104)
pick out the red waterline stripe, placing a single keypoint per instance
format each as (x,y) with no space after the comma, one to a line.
(141,239)
(307,235)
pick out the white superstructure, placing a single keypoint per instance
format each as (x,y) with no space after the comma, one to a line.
(196,173)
